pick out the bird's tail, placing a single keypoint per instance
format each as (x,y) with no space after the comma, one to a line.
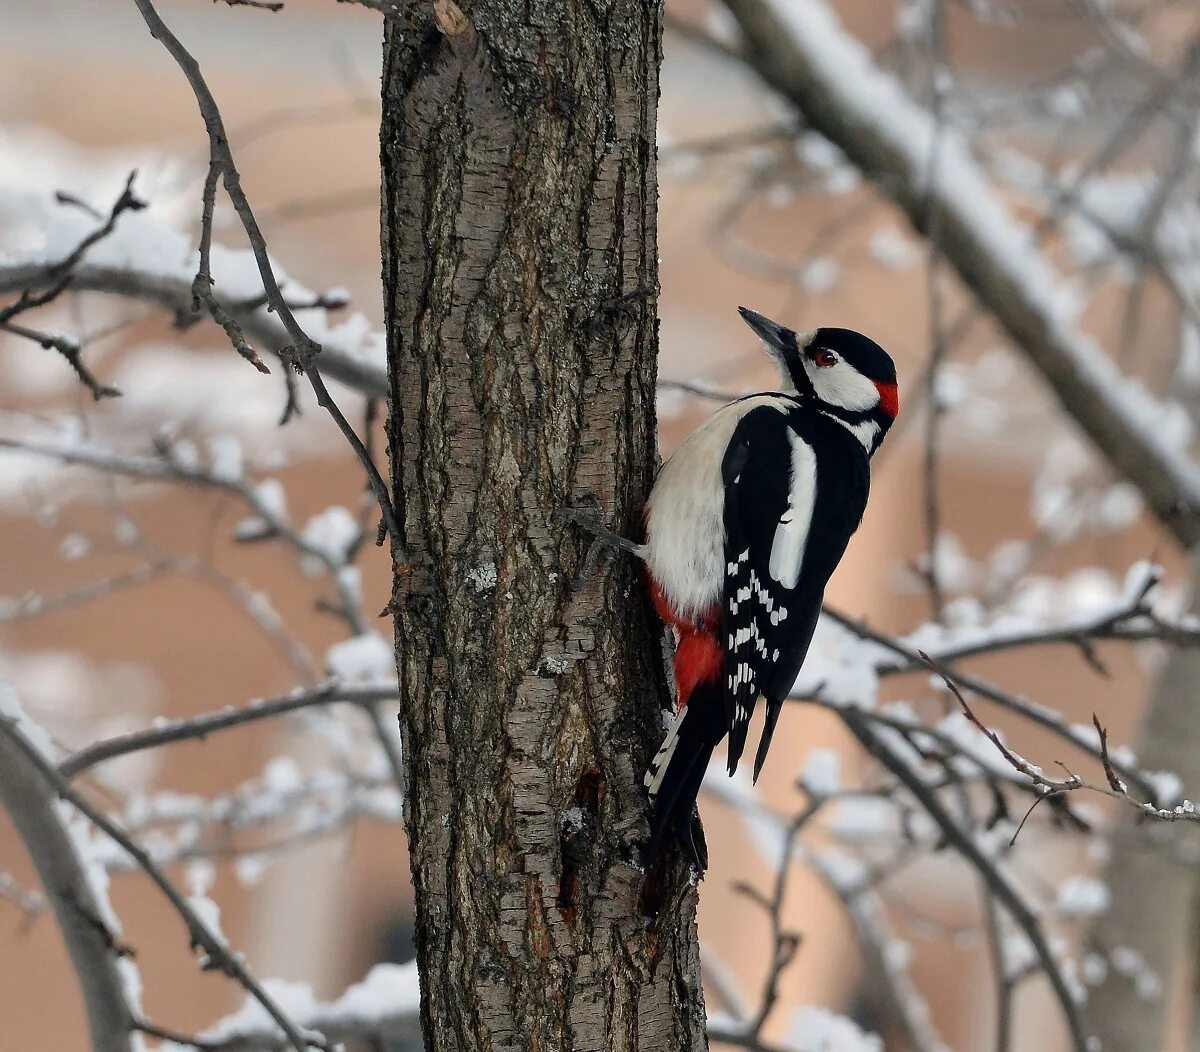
(675,774)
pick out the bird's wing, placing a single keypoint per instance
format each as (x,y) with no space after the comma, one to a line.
(785,531)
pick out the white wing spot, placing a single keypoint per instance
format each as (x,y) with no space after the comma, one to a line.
(791,535)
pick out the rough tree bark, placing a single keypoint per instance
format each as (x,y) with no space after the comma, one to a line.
(520,277)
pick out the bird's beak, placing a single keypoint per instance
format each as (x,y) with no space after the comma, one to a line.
(774,335)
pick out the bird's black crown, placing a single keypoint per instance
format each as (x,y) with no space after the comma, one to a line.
(860,351)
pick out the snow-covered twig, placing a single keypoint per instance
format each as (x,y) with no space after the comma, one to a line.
(799,48)
(383,1007)
(1037,714)
(218,954)
(46,283)
(340,360)
(304,352)
(998,883)
(1116,788)
(199,727)
(95,951)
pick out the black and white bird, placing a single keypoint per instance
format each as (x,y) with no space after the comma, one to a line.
(744,526)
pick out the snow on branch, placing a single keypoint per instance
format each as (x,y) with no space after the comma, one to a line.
(199,727)
(351,352)
(201,932)
(384,1006)
(799,48)
(75,886)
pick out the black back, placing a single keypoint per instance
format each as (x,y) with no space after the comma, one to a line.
(756,498)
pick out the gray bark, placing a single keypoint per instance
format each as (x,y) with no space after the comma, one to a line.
(520,278)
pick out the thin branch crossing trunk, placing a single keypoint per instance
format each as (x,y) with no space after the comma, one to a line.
(520,278)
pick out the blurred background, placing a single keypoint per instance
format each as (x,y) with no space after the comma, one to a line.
(122,603)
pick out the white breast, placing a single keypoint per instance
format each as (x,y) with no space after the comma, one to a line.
(685,528)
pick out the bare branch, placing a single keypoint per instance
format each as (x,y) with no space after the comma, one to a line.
(356,371)
(1184,812)
(197,728)
(997,882)
(201,935)
(1037,714)
(305,350)
(71,352)
(29,800)
(798,48)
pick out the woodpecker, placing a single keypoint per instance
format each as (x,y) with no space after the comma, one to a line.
(744,526)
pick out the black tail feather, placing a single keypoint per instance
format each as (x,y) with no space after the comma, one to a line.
(737,736)
(701,728)
(768,732)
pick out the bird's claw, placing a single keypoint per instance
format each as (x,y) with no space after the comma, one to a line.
(589,517)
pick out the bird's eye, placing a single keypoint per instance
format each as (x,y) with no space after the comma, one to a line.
(824,358)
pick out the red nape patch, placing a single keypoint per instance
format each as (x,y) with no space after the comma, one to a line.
(698,659)
(889,399)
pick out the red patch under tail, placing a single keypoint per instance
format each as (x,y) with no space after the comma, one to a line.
(699,657)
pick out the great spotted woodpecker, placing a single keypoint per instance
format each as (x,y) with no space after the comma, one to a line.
(744,526)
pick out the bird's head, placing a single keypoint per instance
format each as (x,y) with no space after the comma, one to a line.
(846,374)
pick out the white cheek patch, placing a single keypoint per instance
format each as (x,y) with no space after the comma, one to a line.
(843,385)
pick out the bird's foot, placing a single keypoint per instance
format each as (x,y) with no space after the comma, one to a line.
(589,517)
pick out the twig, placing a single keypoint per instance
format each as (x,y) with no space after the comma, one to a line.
(218,954)
(59,276)
(71,352)
(1116,787)
(199,727)
(128,201)
(359,372)
(997,882)
(306,351)
(1114,782)
(1032,772)
(1036,714)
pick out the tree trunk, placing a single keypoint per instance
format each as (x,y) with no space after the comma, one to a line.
(520,282)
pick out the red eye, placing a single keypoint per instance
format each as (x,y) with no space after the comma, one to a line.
(825,359)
